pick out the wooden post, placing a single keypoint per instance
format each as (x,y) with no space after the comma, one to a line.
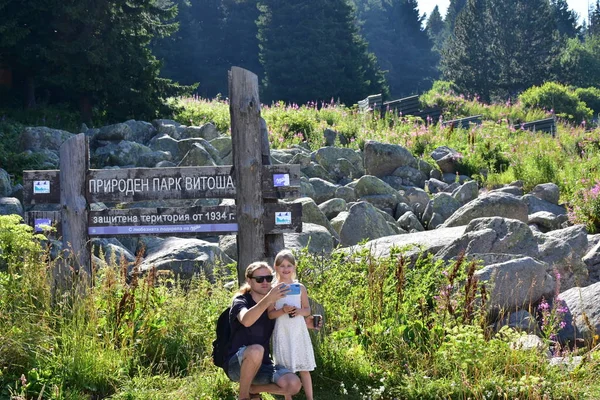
(244,109)
(74,210)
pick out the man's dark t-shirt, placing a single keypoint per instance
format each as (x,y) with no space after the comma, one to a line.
(258,333)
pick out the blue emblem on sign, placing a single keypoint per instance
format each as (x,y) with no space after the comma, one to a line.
(281,180)
(41,187)
(283,218)
(42,221)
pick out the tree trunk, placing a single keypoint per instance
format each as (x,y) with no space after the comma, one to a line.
(85,109)
(29,92)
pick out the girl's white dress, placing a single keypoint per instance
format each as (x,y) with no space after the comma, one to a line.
(292,347)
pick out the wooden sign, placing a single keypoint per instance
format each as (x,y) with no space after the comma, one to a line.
(41,187)
(140,184)
(279,218)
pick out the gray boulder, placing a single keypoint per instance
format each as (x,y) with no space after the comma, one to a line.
(434,186)
(417,199)
(165,143)
(535,205)
(340,162)
(410,223)
(516,284)
(207,131)
(141,131)
(333,207)
(466,192)
(410,176)
(363,222)
(442,206)
(39,137)
(186,258)
(223,145)
(10,205)
(198,156)
(152,159)
(5,185)
(338,221)
(324,190)
(520,320)
(381,159)
(312,214)
(120,154)
(546,221)
(346,192)
(582,315)
(115,133)
(317,171)
(493,235)
(318,239)
(306,188)
(446,158)
(415,244)
(112,251)
(491,205)
(549,192)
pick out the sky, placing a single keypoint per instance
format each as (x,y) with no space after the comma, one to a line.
(426,6)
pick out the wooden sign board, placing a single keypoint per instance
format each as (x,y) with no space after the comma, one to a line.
(216,220)
(41,187)
(140,184)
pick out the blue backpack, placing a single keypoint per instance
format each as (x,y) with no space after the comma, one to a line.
(222,342)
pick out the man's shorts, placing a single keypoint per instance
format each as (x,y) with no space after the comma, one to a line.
(265,375)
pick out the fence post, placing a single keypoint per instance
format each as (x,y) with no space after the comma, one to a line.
(244,109)
(74,211)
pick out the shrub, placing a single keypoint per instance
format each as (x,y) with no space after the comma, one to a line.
(585,208)
(591,97)
(558,98)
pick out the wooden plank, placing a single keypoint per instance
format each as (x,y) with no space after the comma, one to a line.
(547,125)
(138,184)
(244,110)
(463,123)
(41,187)
(185,221)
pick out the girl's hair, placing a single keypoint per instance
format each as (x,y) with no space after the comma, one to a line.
(245,288)
(285,255)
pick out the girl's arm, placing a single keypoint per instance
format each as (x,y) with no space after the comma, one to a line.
(305,310)
(273,313)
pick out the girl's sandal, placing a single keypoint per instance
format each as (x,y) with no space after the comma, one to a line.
(255,396)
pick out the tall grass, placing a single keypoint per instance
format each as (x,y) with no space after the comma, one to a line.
(393,329)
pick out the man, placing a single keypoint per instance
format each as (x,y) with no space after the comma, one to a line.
(250,362)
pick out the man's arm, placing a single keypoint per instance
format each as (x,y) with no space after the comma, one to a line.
(248,316)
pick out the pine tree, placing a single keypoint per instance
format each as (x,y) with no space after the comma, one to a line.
(310,51)
(435,29)
(465,56)
(566,19)
(594,20)
(394,30)
(523,55)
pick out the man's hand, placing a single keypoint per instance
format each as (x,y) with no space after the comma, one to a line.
(310,323)
(276,293)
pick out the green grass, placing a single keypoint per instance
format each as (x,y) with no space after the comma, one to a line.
(391,331)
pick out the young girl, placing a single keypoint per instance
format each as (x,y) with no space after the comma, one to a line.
(292,347)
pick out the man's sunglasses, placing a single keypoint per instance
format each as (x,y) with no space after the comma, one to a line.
(261,279)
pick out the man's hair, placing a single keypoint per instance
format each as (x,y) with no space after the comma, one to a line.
(245,288)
